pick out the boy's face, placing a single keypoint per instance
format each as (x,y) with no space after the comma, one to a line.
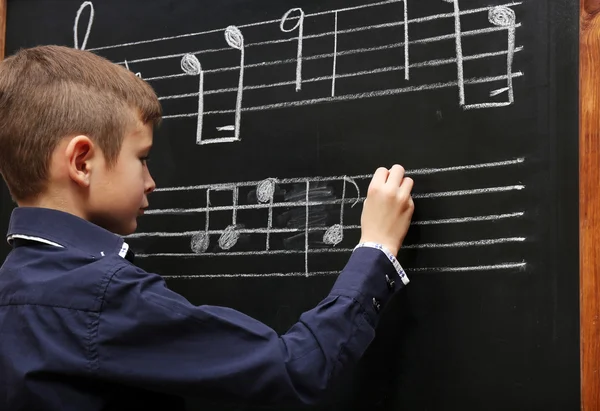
(118,195)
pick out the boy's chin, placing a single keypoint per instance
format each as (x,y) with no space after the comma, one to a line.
(124,228)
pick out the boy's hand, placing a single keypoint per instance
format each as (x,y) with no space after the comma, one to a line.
(388,208)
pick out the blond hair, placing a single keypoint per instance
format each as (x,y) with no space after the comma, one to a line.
(48,93)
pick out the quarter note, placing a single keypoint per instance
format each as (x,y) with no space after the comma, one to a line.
(300,27)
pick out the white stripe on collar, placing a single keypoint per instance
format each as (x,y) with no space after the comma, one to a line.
(31,238)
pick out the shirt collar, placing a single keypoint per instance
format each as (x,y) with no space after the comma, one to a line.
(62,229)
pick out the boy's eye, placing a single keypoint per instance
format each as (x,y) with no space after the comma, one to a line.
(144,160)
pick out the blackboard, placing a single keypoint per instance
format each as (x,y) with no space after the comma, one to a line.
(300,102)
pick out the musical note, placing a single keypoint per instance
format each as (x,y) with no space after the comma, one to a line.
(201,240)
(138,74)
(229,237)
(505,17)
(265,192)
(89,27)
(235,40)
(191,65)
(300,27)
(335,234)
(499,16)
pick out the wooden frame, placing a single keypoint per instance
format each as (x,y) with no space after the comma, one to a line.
(589,202)
(2,27)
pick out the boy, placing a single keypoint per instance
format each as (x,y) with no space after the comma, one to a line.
(81,327)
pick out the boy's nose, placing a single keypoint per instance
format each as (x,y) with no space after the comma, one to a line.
(150,184)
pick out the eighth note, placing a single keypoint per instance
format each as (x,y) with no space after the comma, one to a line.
(138,74)
(335,234)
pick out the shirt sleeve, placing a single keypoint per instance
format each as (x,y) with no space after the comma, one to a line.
(152,337)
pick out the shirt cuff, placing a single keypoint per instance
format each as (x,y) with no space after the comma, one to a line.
(390,256)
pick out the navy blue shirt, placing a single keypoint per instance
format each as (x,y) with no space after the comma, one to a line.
(82,328)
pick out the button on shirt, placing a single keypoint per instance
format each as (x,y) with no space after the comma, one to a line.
(82,328)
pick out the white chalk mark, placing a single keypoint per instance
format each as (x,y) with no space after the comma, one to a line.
(505,17)
(456,244)
(460,220)
(229,238)
(306,228)
(492,267)
(191,66)
(138,74)
(261,23)
(226,128)
(269,230)
(265,192)
(307,204)
(499,91)
(502,17)
(231,235)
(335,54)
(412,172)
(406,42)
(300,27)
(459,52)
(429,63)
(235,40)
(346,31)
(89,27)
(201,240)
(358,96)
(350,52)
(477,191)
(335,234)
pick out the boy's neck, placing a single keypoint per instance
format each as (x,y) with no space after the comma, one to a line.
(62,202)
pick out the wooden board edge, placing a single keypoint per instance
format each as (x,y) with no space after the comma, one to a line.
(589,206)
(2,28)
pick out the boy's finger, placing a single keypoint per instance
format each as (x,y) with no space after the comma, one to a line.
(380,176)
(396,175)
(406,186)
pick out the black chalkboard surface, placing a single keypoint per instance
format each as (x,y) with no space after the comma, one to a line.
(276,114)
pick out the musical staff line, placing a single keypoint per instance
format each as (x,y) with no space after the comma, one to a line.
(410,172)
(346,52)
(491,267)
(359,96)
(273,21)
(442,194)
(270,230)
(456,244)
(429,63)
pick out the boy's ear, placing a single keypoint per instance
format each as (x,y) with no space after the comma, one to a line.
(79,153)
